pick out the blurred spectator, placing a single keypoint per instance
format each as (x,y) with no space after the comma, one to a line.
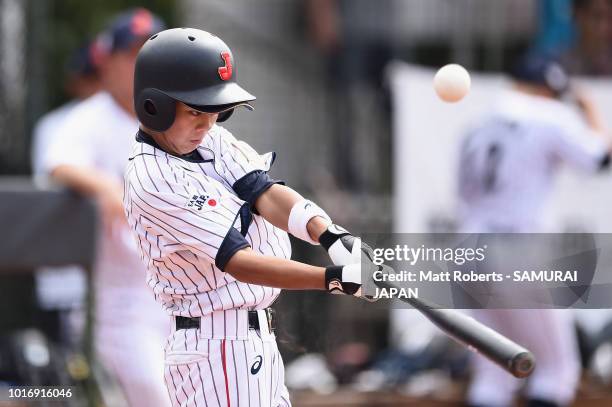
(89,153)
(357,38)
(507,167)
(592,51)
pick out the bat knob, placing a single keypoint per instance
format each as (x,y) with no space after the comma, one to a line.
(522,364)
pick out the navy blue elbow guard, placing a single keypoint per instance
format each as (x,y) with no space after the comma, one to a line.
(232,242)
(252,185)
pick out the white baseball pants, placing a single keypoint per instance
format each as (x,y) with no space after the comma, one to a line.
(225,364)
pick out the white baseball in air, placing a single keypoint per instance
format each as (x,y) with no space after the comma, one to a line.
(452,82)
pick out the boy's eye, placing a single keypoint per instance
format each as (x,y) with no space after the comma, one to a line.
(195,113)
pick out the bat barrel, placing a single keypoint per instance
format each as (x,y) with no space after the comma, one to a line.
(509,355)
(478,337)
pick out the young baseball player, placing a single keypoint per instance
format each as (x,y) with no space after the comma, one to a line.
(89,154)
(211,226)
(508,164)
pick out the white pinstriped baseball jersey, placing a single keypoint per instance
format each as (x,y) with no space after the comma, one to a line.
(189,220)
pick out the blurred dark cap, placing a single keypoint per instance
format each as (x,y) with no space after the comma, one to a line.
(81,61)
(128,28)
(542,70)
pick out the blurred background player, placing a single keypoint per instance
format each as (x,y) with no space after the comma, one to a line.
(62,289)
(81,81)
(507,167)
(89,154)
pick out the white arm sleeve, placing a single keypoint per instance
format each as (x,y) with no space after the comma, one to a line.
(71,143)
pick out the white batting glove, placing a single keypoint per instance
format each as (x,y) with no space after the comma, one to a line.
(342,247)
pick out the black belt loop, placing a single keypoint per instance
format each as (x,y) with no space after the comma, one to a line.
(187,323)
(253,320)
(194,323)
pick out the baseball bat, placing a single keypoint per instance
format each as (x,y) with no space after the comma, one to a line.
(478,337)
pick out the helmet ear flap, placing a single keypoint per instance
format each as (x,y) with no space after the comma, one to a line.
(223,116)
(155,109)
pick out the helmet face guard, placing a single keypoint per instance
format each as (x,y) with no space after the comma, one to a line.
(189,66)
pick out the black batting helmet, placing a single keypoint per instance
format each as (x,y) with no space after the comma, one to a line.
(186,65)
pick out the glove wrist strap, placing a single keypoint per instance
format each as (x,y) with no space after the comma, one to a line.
(333,278)
(331,235)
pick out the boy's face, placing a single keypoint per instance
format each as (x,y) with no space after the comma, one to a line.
(188,130)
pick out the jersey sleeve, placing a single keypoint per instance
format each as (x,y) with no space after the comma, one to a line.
(580,147)
(190,214)
(70,143)
(245,169)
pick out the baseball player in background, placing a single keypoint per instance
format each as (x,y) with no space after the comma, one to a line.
(211,226)
(81,82)
(507,167)
(61,290)
(90,154)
